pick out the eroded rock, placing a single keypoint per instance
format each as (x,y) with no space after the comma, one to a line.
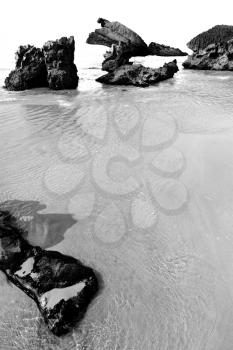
(53,67)
(114,32)
(30,71)
(125,44)
(217,34)
(164,50)
(138,75)
(217,56)
(61,286)
(59,60)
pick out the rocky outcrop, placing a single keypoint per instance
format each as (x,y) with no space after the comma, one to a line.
(217,34)
(61,286)
(217,56)
(125,44)
(138,75)
(59,58)
(30,71)
(113,33)
(164,50)
(51,66)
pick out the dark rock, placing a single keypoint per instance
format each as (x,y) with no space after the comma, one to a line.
(164,50)
(125,44)
(61,286)
(217,34)
(217,56)
(51,66)
(139,75)
(59,59)
(30,70)
(114,32)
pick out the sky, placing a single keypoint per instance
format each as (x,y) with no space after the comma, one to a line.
(172,22)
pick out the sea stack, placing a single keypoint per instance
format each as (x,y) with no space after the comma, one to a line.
(125,43)
(212,50)
(61,286)
(52,66)
(59,60)
(30,71)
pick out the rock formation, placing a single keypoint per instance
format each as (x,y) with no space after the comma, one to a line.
(217,34)
(138,75)
(30,71)
(61,286)
(59,58)
(217,56)
(213,49)
(51,66)
(113,33)
(125,44)
(164,50)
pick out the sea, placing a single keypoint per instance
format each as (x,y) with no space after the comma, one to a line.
(136,183)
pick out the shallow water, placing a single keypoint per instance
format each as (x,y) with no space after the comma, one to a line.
(137,183)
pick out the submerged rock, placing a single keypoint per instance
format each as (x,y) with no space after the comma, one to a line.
(138,75)
(125,44)
(59,60)
(51,66)
(164,50)
(30,71)
(61,286)
(217,56)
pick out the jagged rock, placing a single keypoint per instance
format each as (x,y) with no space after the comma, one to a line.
(217,56)
(164,50)
(30,70)
(61,286)
(51,66)
(138,75)
(217,34)
(114,32)
(59,59)
(125,44)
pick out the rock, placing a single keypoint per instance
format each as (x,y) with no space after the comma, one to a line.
(51,66)
(164,50)
(61,286)
(59,60)
(138,75)
(217,56)
(125,44)
(112,33)
(217,34)
(30,71)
